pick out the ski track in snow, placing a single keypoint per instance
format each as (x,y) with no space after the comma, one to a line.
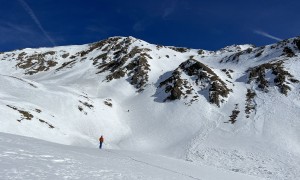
(159,167)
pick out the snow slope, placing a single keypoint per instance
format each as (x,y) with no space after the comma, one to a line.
(28,158)
(235,109)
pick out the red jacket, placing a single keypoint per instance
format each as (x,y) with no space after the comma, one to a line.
(101,139)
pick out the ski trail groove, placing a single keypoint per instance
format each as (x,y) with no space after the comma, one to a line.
(156,166)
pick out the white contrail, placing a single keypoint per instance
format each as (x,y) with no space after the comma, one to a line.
(35,19)
(169,10)
(267,35)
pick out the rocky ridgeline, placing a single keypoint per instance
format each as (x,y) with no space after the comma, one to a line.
(287,48)
(236,56)
(121,57)
(201,78)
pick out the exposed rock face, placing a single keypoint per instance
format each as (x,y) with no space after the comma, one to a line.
(234,115)
(37,62)
(118,57)
(250,105)
(281,77)
(236,56)
(133,64)
(297,42)
(201,78)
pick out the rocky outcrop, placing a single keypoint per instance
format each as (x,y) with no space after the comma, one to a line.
(36,62)
(281,77)
(133,64)
(201,78)
(250,105)
(235,57)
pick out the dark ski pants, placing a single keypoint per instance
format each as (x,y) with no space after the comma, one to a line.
(100,146)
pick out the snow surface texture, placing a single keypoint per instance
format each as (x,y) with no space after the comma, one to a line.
(235,109)
(27,158)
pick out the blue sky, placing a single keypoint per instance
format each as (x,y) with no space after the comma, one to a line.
(199,24)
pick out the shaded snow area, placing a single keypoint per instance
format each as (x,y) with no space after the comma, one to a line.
(28,158)
(226,114)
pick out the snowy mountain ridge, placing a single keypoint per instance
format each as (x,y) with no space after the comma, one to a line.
(235,108)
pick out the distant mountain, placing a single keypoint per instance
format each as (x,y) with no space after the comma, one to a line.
(236,108)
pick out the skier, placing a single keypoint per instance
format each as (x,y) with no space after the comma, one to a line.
(101,140)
